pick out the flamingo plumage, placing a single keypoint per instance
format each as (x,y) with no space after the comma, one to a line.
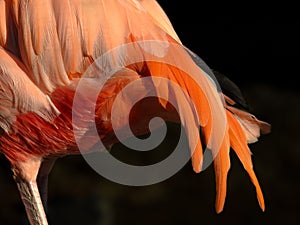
(46,49)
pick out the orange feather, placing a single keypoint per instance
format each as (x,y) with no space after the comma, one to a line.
(238,142)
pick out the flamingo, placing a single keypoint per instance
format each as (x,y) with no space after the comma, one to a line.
(47,49)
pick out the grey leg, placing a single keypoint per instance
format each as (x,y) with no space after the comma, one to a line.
(31,199)
(25,174)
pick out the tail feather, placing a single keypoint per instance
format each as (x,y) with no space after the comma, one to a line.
(222,166)
(239,144)
(197,157)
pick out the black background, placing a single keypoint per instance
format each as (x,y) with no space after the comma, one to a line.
(256,47)
(250,42)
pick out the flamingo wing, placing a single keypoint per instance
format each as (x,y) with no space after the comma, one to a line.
(59,43)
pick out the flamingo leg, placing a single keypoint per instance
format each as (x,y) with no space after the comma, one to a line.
(25,174)
(42,180)
(31,199)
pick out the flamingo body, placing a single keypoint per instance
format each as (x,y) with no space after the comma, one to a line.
(47,47)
